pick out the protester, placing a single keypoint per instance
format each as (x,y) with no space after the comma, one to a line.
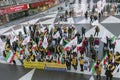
(74,63)
(96,45)
(68,63)
(98,70)
(81,64)
(108,73)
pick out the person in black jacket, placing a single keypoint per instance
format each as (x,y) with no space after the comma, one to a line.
(108,73)
(83,31)
(68,63)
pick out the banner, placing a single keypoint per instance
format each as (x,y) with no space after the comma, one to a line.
(17,8)
(55,65)
(42,65)
(38,65)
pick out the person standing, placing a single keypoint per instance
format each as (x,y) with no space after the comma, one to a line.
(97,30)
(96,43)
(83,31)
(91,41)
(70,13)
(106,44)
(74,63)
(86,15)
(93,54)
(98,68)
(108,73)
(81,63)
(66,13)
(85,44)
(24,29)
(68,63)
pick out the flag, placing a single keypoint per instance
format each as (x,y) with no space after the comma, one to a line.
(10,57)
(67,47)
(26,40)
(77,48)
(105,59)
(57,35)
(58,60)
(21,51)
(34,47)
(61,41)
(73,42)
(114,40)
(65,42)
(70,44)
(45,43)
(93,68)
(104,37)
(50,27)
(40,43)
(2,45)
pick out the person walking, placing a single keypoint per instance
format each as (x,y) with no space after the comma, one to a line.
(97,30)
(99,15)
(86,15)
(91,18)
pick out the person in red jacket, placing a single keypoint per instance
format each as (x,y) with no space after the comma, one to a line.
(85,44)
(96,43)
(82,50)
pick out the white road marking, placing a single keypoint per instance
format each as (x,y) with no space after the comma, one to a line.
(28,76)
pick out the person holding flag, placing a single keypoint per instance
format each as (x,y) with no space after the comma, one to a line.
(98,69)
(10,57)
(74,62)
